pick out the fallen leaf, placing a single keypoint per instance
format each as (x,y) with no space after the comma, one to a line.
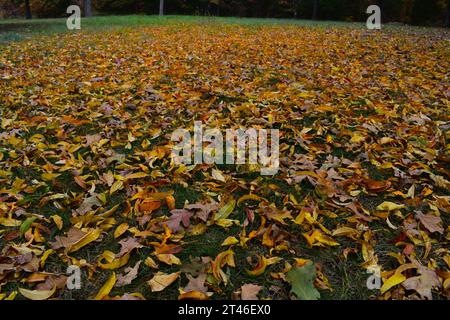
(389,206)
(225,211)
(301,280)
(250,291)
(162,280)
(179,216)
(129,275)
(431,222)
(37,294)
(120,230)
(106,288)
(394,280)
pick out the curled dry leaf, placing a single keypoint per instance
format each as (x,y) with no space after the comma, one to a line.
(37,294)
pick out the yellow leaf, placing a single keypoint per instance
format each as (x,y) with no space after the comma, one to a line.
(109,212)
(226,223)
(223,258)
(107,287)
(157,196)
(37,294)
(149,262)
(9,222)
(11,296)
(386,140)
(394,280)
(260,267)
(389,206)
(49,176)
(162,280)
(115,263)
(300,262)
(45,256)
(88,238)
(169,259)
(136,175)
(229,241)
(120,230)
(198,229)
(6,122)
(57,220)
(446,284)
(357,137)
(317,238)
(345,231)
(249,197)
(116,186)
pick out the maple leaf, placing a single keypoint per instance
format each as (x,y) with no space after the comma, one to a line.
(250,291)
(422,284)
(273,213)
(197,266)
(431,222)
(203,210)
(129,275)
(88,204)
(179,216)
(196,284)
(127,245)
(74,235)
(301,280)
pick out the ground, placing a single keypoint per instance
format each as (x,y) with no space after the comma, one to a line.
(86,176)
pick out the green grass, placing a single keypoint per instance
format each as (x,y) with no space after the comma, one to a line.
(18,29)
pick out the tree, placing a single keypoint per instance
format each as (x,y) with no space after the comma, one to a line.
(161,7)
(315,10)
(447,17)
(27,9)
(296,5)
(87,8)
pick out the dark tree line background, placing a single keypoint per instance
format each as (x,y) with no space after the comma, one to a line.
(419,12)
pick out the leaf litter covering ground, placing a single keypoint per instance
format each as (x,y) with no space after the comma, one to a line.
(86,175)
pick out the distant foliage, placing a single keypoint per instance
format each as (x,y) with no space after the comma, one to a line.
(39,8)
(50,8)
(423,12)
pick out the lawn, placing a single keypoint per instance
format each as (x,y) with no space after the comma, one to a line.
(87,179)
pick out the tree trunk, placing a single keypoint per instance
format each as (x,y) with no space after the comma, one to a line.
(161,7)
(447,18)
(27,9)
(315,10)
(296,5)
(87,8)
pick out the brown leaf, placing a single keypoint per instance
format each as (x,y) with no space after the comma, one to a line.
(431,222)
(250,291)
(196,284)
(203,210)
(423,284)
(179,216)
(129,275)
(74,235)
(127,245)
